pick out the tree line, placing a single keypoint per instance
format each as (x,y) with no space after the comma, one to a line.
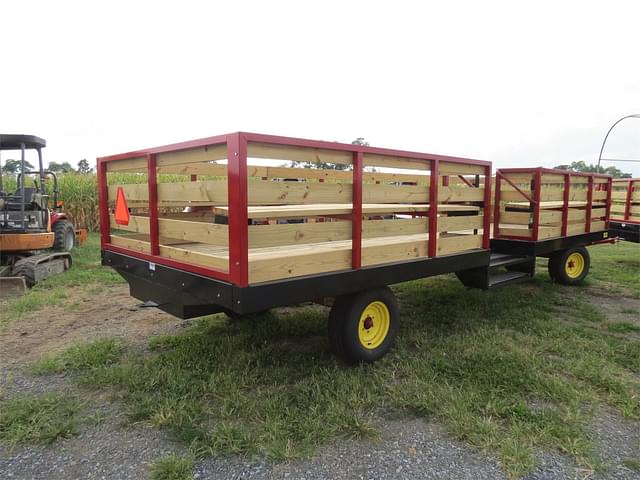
(12,167)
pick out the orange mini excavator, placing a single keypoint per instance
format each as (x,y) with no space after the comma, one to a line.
(35,235)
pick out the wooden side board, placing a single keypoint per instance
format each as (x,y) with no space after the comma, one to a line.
(546,232)
(268,192)
(199,232)
(312,155)
(308,233)
(274,263)
(182,254)
(328,209)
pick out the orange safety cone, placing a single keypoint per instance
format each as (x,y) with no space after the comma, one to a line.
(122,210)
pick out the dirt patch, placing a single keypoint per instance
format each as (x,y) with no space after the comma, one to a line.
(616,307)
(110,313)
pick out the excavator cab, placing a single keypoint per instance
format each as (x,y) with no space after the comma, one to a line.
(35,239)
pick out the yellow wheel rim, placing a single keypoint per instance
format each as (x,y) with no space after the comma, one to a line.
(574,265)
(374,325)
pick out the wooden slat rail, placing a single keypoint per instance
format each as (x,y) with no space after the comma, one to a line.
(265,192)
(202,232)
(559,203)
(296,211)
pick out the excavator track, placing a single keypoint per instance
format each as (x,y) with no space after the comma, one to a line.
(38,267)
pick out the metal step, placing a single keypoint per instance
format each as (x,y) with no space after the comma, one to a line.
(504,259)
(505,278)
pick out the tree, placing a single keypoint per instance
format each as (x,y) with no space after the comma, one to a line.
(12,167)
(360,141)
(83,166)
(328,165)
(581,166)
(64,167)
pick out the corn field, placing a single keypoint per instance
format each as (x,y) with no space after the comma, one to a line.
(79,192)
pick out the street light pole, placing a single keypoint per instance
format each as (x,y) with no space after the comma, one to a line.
(634,115)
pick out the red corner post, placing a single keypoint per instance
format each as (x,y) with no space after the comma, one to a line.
(238,209)
(587,225)
(356,213)
(536,203)
(607,210)
(433,209)
(152,176)
(627,204)
(103,202)
(486,221)
(565,205)
(496,205)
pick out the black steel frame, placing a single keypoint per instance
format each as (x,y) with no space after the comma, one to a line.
(188,295)
(628,231)
(544,248)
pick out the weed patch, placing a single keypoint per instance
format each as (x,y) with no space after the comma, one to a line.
(39,420)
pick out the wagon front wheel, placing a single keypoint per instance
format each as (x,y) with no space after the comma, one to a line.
(569,267)
(363,326)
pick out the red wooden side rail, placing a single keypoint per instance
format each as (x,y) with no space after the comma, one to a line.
(237,181)
(626,200)
(534,196)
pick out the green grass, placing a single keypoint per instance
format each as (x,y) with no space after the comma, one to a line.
(623,327)
(617,264)
(39,420)
(172,467)
(85,274)
(511,372)
(98,354)
(632,464)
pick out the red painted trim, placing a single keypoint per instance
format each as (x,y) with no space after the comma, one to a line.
(513,237)
(587,226)
(433,209)
(103,203)
(154,236)
(356,214)
(565,205)
(607,214)
(187,267)
(295,142)
(173,147)
(486,209)
(300,142)
(536,204)
(238,210)
(496,206)
(627,204)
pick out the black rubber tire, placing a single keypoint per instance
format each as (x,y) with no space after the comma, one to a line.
(25,270)
(65,236)
(344,321)
(558,261)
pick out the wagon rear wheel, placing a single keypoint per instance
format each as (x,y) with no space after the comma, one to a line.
(569,267)
(363,326)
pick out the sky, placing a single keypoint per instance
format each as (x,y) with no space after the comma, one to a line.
(520,83)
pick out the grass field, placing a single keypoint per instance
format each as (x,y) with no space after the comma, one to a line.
(512,372)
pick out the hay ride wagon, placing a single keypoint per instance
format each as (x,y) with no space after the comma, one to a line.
(220,225)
